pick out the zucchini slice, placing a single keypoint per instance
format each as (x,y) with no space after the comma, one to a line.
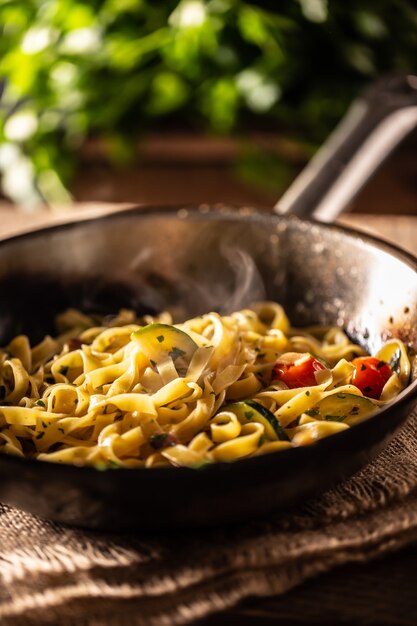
(249,410)
(159,341)
(343,407)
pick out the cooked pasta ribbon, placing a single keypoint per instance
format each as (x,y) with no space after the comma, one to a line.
(145,392)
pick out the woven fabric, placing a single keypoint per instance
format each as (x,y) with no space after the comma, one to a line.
(52,574)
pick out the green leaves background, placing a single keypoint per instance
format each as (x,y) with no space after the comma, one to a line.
(115,69)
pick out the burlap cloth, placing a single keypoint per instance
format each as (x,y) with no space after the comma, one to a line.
(51,574)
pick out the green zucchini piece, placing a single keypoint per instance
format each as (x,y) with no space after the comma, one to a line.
(343,407)
(159,341)
(249,410)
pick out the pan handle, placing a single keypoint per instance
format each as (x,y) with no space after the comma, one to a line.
(373,126)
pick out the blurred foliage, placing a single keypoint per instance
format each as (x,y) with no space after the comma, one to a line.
(72,69)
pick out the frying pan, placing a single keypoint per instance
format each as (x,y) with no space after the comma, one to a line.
(192,260)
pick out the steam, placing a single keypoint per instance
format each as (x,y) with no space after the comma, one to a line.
(235,286)
(249,286)
(229,283)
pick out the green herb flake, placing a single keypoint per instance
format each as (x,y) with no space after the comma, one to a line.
(395,361)
(380,364)
(162,440)
(312,412)
(248,415)
(307,393)
(40,435)
(261,441)
(160,338)
(334,418)
(175,353)
(363,367)
(40,403)
(44,424)
(61,430)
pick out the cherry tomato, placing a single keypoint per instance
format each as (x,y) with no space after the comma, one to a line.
(298,374)
(370,375)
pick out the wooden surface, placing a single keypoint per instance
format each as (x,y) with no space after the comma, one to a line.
(174,167)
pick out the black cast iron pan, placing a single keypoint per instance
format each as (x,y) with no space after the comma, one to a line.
(198,259)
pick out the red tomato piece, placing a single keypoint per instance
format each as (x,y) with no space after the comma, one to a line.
(298,374)
(370,375)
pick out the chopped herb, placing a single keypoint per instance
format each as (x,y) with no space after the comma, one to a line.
(40,435)
(363,367)
(61,430)
(176,353)
(64,370)
(44,424)
(248,415)
(261,441)
(334,418)
(395,361)
(114,465)
(312,412)
(380,364)
(160,338)
(162,440)
(40,403)
(307,393)
(355,410)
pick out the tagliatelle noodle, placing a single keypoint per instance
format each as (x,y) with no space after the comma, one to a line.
(131,392)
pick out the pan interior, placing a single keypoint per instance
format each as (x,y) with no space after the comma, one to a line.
(192,262)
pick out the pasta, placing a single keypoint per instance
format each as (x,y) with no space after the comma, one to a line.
(128,392)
